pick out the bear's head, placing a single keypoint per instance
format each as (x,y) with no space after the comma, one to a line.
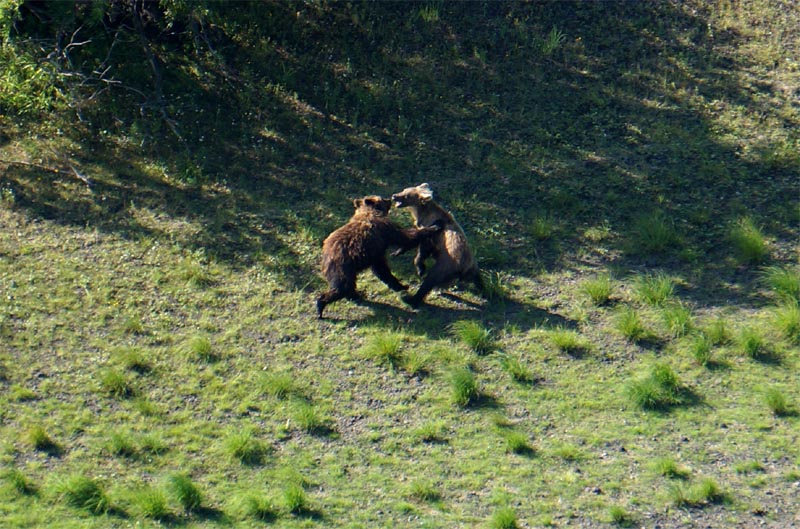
(373,205)
(413,196)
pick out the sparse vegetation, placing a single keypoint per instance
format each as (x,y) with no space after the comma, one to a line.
(626,173)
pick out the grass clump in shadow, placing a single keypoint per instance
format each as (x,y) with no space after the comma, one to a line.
(279,385)
(133,359)
(748,242)
(424,491)
(569,341)
(295,499)
(200,348)
(753,344)
(677,319)
(517,369)
(257,507)
(82,492)
(120,444)
(786,318)
(309,418)
(660,390)
(701,349)
(518,443)
(629,324)
(474,335)
(653,234)
(432,432)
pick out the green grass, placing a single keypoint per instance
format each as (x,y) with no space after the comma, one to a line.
(654,289)
(185,491)
(504,518)
(295,498)
(598,289)
(701,494)
(161,247)
(778,403)
(669,468)
(748,241)
(41,440)
(424,491)
(82,492)
(474,335)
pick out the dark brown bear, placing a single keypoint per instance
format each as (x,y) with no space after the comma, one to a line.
(449,248)
(362,244)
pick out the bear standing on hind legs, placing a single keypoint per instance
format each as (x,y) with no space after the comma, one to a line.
(362,244)
(449,248)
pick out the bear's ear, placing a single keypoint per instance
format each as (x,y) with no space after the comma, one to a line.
(425,192)
(357,203)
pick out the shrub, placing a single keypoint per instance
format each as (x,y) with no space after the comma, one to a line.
(748,242)
(474,335)
(84,493)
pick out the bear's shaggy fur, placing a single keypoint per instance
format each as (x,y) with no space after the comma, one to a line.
(362,244)
(449,248)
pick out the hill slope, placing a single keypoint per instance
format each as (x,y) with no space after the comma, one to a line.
(628,175)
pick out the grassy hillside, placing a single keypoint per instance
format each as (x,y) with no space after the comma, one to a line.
(629,177)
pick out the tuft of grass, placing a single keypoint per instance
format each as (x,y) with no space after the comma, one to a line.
(116,384)
(660,390)
(753,345)
(669,468)
(134,359)
(309,418)
(425,491)
(385,348)
(295,498)
(474,335)
(121,445)
(620,516)
(196,273)
(432,432)
(245,447)
(629,324)
(568,341)
(654,289)
(653,234)
(541,227)
(82,492)
(494,285)
(718,331)
(257,507)
(504,518)
(568,452)
(783,281)
(748,241)
(201,349)
(150,502)
(464,386)
(41,440)
(786,319)
(701,349)
(517,369)
(777,402)
(279,385)
(19,482)
(517,443)
(598,289)
(133,325)
(677,319)
(185,492)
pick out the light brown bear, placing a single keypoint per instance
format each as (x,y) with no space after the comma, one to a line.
(449,248)
(362,243)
